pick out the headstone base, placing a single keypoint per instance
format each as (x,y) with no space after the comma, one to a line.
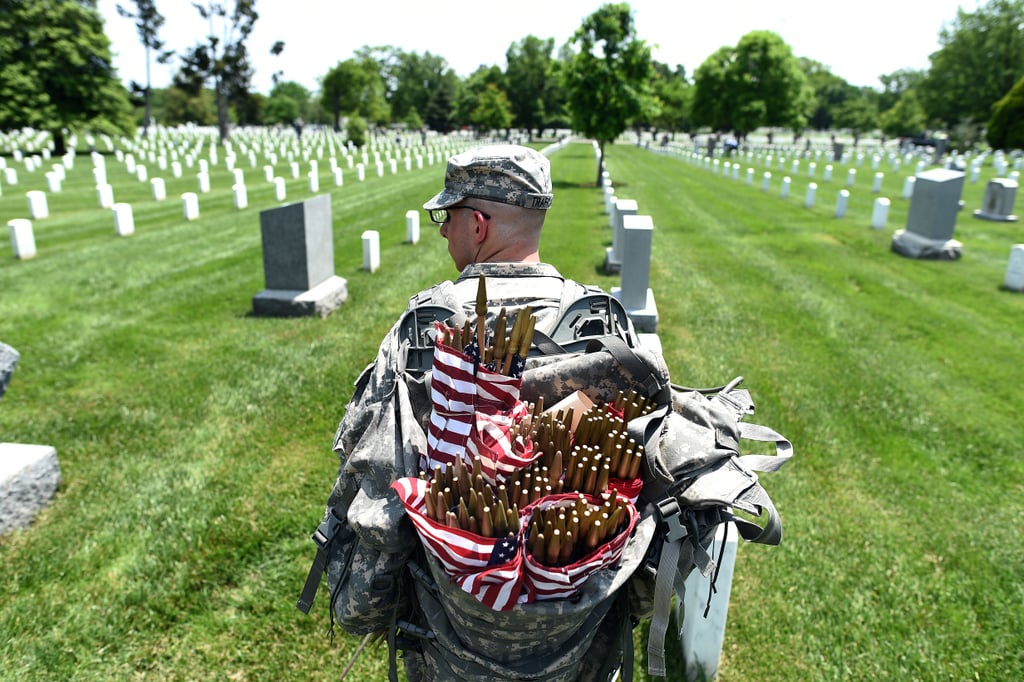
(644,319)
(322,300)
(611,265)
(29,478)
(984,215)
(911,245)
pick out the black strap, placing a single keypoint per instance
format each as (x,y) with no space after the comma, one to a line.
(323,537)
(653,388)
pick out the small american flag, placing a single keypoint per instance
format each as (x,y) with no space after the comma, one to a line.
(471,560)
(558,582)
(453,398)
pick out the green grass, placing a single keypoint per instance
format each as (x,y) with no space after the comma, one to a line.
(195,438)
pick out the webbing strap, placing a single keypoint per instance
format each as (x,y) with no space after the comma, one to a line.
(628,358)
(664,584)
(323,537)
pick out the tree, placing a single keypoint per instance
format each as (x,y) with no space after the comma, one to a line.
(529,78)
(981,56)
(354,86)
(757,83)
(147,22)
(223,59)
(468,103)
(858,115)
(425,84)
(674,94)
(283,107)
(1006,127)
(608,79)
(905,118)
(493,111)
(56,71)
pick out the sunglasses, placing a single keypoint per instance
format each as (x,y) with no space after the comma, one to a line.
(441,215)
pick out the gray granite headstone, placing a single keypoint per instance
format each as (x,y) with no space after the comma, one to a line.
(935,203)
(932,217)
(998,202)
(298,244)
(8,361)
(298,261)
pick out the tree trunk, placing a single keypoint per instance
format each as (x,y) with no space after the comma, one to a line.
(222,112)
(59,146)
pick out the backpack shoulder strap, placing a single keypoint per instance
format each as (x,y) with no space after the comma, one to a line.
(416,328)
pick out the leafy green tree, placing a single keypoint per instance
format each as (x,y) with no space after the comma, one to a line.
(223,59)
(674,95)
(426,84)
(288,102)
(831,94)
(473,89)
(905,118)
(757,83)
(1006,127)
(148,21)
(493,111)
(181,106)
(356,130)
(530,78)
(354,86)
(895,84)
(56,71)
(608,79)
(981,56)
(858,115)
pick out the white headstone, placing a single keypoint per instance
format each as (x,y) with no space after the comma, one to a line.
(750,176)
(159,189)
(280,191)
(880,213)
(412,226)
(314,182)
(908,187)
(851,177)
(239,176)
(204,181)
(786,181)
(141,173)
(811,167)
(190,205)
(105,195)
(704,611)
(295,169)
(828,172)
(37,206)
(841,201)
(766,181)
(23,241)
(52,182)
(371,250)
(339,178)
(876,187)
(812,189)
(124,220)
(361,172)
(1015,268)
(241,196)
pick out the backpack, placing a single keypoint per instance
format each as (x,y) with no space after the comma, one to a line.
(382,580)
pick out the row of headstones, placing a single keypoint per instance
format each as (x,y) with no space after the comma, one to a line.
(21,230)
(935,197)
(702,630)
(629,256)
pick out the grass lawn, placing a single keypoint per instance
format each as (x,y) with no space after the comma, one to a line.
(195,439)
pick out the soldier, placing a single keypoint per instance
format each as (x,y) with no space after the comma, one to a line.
(491,211)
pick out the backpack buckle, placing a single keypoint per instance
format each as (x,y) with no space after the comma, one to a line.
(326,531)
(671,519)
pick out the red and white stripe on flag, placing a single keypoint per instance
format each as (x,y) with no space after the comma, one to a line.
(558,582)
(465,556)
(453,398)
(492,444)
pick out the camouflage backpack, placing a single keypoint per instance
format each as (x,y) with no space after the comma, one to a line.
(382,581)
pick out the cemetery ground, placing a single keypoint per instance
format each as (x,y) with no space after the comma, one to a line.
(194,438)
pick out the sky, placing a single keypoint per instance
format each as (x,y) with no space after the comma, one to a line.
(858,40)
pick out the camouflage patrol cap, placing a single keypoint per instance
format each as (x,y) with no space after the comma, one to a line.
(506,173)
